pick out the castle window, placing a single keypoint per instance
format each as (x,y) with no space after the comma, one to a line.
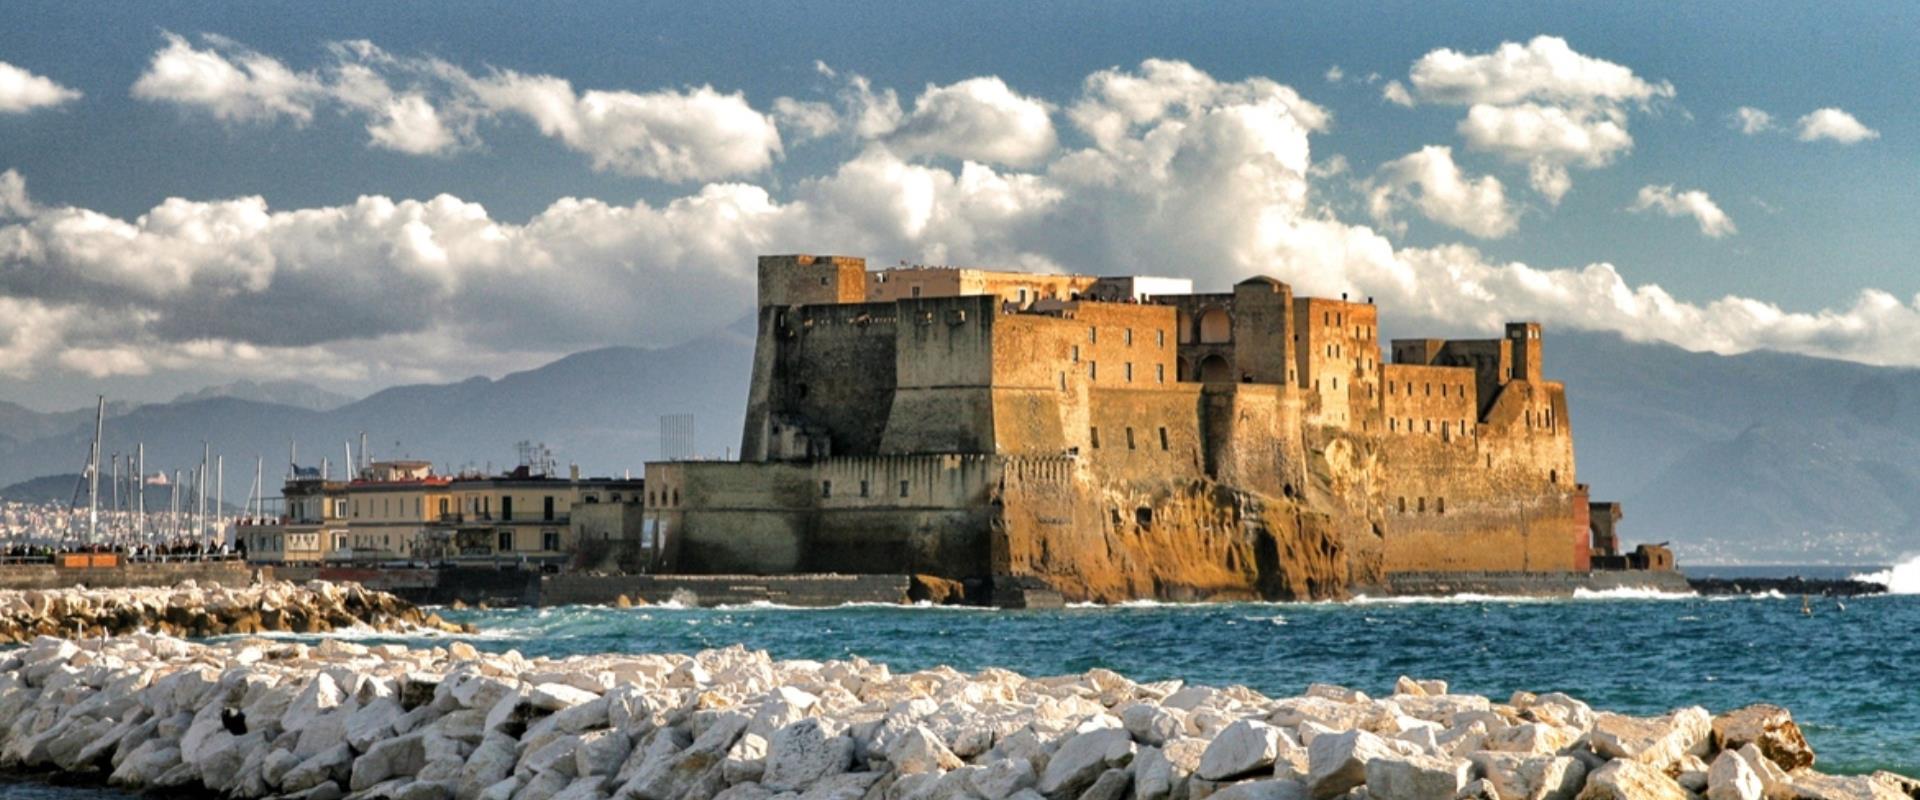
(1093,370)
(1403,505)
(826,488)
(1129,438)
(1429,426)
(1336,384)
(916,291)
(1076,354)
(1093,435)
(1423,505)
(903,488)
(1429,390)
(823,280)
(863,488)
(1093,334)
(1063,381)
(1129,337)
(676,497)
(1440,505)
(1160,338)
(1553,476)
(1023,297)
(1159,373)
(1393,425)
(1163,438)
(1129,366)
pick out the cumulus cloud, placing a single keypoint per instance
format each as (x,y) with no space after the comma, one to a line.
(1429,180)
(1171,171)
(1545,69)
(229,81)
(978,119)
(1335,74)
(22,91)
(1396,93)
(1835,125)
(1750,120)
(1540,104)
(427,106)
(1714,223)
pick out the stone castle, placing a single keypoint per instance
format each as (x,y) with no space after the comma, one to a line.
(1114,438)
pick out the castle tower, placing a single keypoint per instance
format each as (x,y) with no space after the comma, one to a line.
(1523,341)
(1263,331)
(802,280)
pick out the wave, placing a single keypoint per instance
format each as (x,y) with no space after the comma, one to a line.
(1901,578)
(1631,593)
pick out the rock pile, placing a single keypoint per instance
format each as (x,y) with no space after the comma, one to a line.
(192,610)
(250,718)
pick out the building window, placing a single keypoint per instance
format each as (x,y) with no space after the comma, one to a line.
(550,541)
(506,508)
(1093,370)
(1159,338)
(1403,505)
(1093,434)
(547,510)
(826,488)
(863,488)
(903,488)
(676,498)
(1129,438)
(506,541)
(1159,373)
(1129,366)
(1076,354)
(1440,505)
(916,291)
(1063,381)
(1423,505)
(1093,335)
(1163,438)
(1128,337)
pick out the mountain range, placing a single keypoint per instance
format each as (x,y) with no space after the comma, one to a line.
(1761,457)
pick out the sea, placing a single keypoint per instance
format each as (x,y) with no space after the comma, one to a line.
(1849,670)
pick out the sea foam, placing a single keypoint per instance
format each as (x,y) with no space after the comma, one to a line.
(1901,578)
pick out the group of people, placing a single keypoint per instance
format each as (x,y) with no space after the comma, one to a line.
(173,550)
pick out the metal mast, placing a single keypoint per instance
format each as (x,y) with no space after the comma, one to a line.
(140,483)
(93,473)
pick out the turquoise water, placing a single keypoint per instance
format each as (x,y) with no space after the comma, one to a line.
(1852,677)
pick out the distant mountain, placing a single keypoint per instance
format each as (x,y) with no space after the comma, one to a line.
(1761,457)
(286,393)
(598,409)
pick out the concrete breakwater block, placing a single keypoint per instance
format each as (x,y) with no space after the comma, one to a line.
(255,719)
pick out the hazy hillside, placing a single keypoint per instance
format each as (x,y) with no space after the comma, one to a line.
(285,393)
(1756,457)
(598,409)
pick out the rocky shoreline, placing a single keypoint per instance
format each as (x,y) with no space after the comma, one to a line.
(252,718)
(193,610)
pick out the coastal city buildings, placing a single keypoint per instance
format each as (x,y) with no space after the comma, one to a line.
(402,512)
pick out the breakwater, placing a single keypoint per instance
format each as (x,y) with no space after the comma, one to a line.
(190,609)
(256,719)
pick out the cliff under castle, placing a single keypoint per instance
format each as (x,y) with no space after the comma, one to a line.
(1115,438)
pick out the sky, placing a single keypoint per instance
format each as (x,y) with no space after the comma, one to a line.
(360,195)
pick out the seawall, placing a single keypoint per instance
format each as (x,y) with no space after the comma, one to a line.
(24,577)
(1525,584)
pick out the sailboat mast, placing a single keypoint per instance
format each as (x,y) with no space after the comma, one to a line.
(200,493)
(140,487)
(220,497)
(93,473)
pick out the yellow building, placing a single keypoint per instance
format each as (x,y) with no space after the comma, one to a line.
(312,523)
(523,516)
(389,510)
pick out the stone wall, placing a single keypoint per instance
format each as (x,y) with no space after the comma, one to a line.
(127,575)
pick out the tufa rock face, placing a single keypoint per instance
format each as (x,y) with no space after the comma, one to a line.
(250,718)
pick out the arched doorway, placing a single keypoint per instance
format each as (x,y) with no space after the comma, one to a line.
(1215,369)
(1216,327)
